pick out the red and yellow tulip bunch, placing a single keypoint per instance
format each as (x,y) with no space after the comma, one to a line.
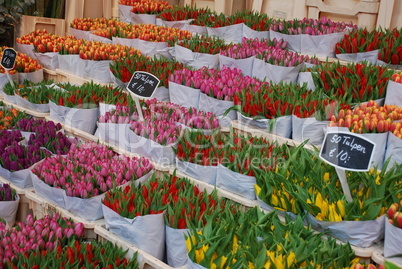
(23,64)
(397,77)
(147,32)
(98,51)
(369,118)
(148,6)
(92,24)
(394,214)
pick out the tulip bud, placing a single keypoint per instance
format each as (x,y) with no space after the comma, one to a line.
(392,210)
(398,219)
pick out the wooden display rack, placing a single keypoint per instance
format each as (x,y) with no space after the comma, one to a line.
(32,23)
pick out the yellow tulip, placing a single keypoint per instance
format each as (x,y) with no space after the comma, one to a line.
(341,207)
(378,180)
(235,243)
(257,189)
(326,177)
(283,204)
(250,265)
(223,262)
(274,200)
(199,255)
(291,259)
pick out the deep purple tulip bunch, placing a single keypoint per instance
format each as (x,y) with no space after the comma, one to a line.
(7,193)
(14,156)
(46,134)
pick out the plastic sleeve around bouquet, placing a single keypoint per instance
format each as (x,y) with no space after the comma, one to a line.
(294,41)
(41,108)
(89,209)
(306,77)
(194,59)
(21,178)
(143,18)
(35,76)
(125,13)
(269,72)
(145,232)
(203,173)
(308,128)
(245,65)
(114,134)
(10,98)
(162,94)
(4,79)
(79,34)
(195,29)
(320,45)
(152,48)
(93,37)
(231,33)
(8,211)
(388,65)
(49,60)
(394,93)
(27,49)
(369,56)
(129,42)
(218,107)
(103,108)
(82,119)
(281,126)
(117,82)
(176,251)
(163,155)
(176,24)
(394,150)
(250,33)
(69,63)
(237,183)
(183,95)
(380,139)
(99,71)
(392,242)
(358,233)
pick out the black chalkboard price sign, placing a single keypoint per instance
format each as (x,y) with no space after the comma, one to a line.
(8,58)
(347,151)
(143,84)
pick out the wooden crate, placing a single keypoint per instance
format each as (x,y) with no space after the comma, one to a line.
(32,23)
(145,260)
(89,9)
(361,12)
(41,207)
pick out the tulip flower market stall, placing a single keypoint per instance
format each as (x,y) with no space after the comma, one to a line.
(222,167)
